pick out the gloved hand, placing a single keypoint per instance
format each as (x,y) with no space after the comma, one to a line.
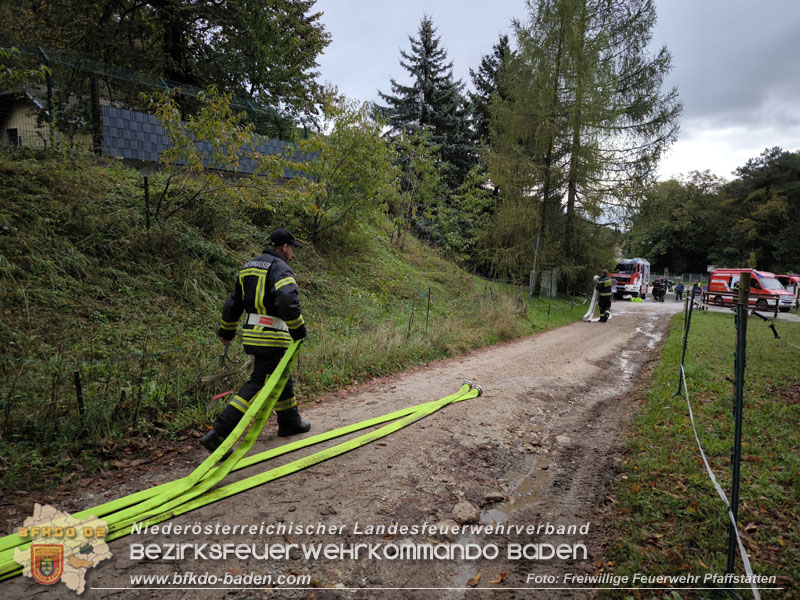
(299,333)
(225,336)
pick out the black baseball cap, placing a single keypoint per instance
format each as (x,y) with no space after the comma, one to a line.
(279,237)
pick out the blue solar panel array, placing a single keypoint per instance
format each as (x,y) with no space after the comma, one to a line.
(139,136)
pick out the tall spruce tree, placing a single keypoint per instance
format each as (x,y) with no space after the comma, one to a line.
(434,102)
(487,82)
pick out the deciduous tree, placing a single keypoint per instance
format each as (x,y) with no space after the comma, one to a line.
(266,49)
(760,214)
(677,223)
(347,175)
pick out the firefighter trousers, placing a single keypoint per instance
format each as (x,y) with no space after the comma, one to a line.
(264,364)
(604,302)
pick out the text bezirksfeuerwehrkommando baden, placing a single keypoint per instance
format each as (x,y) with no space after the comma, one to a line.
(406,550)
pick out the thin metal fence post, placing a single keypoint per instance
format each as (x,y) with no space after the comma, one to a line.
(96,113)
(79,396)
(410,318)
(147,202)
(138,399)
(49,82)
(686,326)
(739,367)
(428,312)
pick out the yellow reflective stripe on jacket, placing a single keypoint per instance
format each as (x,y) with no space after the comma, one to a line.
(267,343)
(607,284)
(251,271)
(266,333)
(261,290)
(261,284)
(295,323)
(274,342)
(266,339)
(284,281)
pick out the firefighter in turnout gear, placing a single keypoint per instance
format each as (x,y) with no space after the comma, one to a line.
(267,292)
(604,295)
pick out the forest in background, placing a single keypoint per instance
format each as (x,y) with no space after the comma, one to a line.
(752,221)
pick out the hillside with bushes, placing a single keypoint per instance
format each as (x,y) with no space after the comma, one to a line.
(109,325)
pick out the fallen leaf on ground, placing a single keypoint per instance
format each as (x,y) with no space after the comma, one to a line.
(499,578)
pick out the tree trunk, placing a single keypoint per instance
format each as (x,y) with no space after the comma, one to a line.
(575,147)
(548,166)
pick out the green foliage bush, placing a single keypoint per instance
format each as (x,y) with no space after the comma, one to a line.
(347,178)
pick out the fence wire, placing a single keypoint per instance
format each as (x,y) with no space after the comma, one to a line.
(683,385)
(70,98)
(71,399)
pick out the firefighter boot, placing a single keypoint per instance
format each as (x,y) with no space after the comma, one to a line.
(211,441)
(226,422)
(290,423)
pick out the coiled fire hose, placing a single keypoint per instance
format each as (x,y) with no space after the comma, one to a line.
(174,498)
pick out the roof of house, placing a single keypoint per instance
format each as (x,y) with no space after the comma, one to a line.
(9,99)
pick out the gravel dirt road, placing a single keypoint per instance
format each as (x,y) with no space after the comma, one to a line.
(525,468)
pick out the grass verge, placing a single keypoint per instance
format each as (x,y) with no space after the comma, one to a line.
(667,518)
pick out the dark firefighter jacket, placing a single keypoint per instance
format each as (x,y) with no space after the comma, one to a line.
(265,286)
(604,286)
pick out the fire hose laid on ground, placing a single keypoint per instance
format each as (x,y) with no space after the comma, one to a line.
(168,500)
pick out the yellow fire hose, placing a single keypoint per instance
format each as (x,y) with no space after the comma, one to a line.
(168,500)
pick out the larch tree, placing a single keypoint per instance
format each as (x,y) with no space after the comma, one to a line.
(527,142)
(586,99)
(620,119)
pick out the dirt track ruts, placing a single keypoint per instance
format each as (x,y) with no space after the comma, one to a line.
(546,436)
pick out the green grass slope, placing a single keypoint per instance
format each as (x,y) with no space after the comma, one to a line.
(93,299)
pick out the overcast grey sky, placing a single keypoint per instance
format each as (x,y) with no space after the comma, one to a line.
(736,64)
